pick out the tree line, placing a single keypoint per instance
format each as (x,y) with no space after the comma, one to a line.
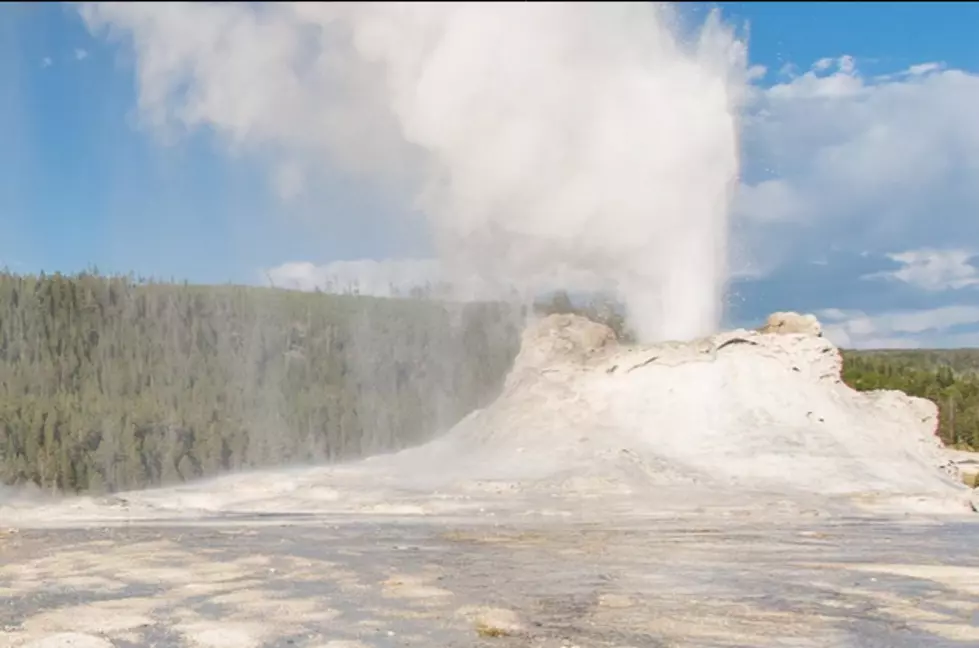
(108,383)
(113,383)
(947,377)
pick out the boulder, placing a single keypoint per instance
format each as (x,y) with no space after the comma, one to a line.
(561,338)
(792,323)
(964,465)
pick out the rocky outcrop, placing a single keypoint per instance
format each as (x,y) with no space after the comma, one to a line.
(966,466)
(792,323)
(562,338)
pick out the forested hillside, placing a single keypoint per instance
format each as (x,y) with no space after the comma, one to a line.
(961,361)
(110,384)
(106,383)
(947,377)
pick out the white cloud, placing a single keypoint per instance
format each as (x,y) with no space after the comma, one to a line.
(385,278)
(80,54)
(822,64)
(289,180)
(875,162)
(901,328)
(932,270)
(399,277)
(833,314)
(46,62)
(924,68)
(788,70)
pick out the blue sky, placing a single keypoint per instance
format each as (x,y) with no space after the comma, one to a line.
(884,251)
(83,185)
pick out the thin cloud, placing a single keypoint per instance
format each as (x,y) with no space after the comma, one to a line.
(81,54)
(933,327)
(932,270)
(46,62)
(401,277)
(378,278)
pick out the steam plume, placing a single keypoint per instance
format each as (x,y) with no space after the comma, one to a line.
(538,138)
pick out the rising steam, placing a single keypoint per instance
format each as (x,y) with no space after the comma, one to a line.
(589,140)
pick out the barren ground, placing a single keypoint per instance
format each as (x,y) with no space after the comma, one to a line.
(346,582)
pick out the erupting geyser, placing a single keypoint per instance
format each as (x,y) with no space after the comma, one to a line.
(581,145)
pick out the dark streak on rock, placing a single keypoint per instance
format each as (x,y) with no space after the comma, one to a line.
(643,364)
(733,341)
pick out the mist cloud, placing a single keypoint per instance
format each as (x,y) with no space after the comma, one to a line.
(594,137)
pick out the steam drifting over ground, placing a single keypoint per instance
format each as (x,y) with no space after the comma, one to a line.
(741,420)
(589,141)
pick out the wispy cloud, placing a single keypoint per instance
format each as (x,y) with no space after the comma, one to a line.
(948,326)
(400,277)
(383,278)
(46,62)
(932,270)
(80,54)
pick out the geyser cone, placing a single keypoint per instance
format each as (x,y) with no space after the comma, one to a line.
(739,412)
(739,420)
